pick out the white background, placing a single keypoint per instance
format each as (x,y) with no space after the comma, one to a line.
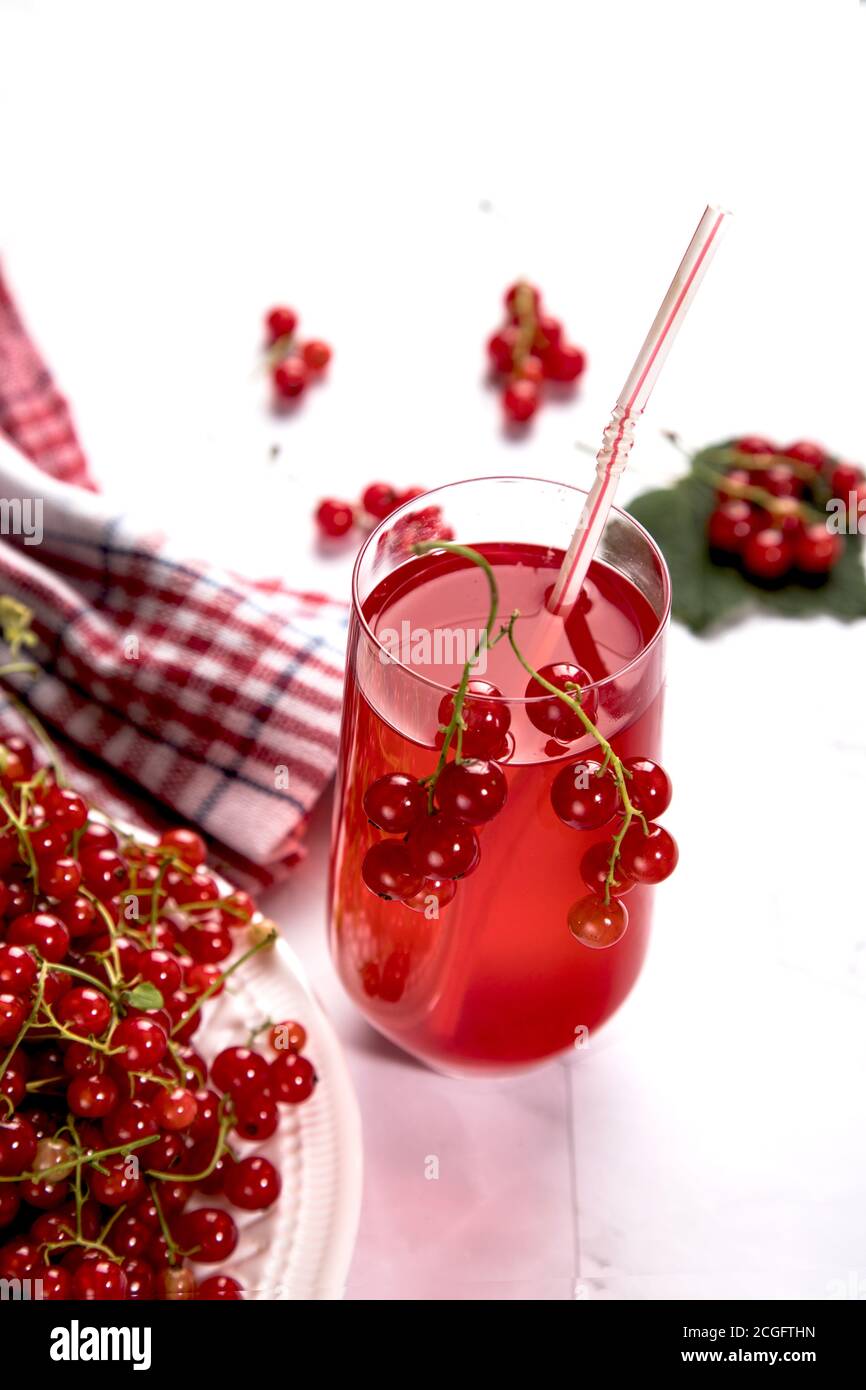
(169,170)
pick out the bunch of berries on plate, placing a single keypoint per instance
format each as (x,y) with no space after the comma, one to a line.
(122,1151)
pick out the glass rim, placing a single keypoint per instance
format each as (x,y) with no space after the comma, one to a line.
(421,499)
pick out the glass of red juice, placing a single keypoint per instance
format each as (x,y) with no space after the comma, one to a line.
(481,974)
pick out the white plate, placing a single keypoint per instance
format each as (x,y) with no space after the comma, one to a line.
(301,1247)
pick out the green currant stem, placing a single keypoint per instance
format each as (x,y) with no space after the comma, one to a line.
(527,324)
(749,493)
(457,724)
(23,840)
(612,762)
(113,966)
(219,1149)
(221,979)
(37,1005)
(58,1170)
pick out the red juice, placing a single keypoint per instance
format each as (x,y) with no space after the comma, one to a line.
(493,980)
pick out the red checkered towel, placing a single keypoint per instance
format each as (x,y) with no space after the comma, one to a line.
(217,696)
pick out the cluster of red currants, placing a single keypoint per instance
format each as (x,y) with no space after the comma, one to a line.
(111,1125)
(529,350)
(378,500)
(292,364)
(766,516)
(438,819)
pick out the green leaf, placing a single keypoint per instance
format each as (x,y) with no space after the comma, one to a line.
(143,996)
(706,594)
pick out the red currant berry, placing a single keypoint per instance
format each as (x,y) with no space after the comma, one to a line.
(818,549)
(564,363)
(79,914)
(844,480)
(65,809)
(104,872)
(316,355)
(143,1043)
(18,970)
(583,796)
(389,872)
(219,1287)
(594,869)
(486,715)
(280,322)
(60,878)
(209,1234)
(767,554)
(132,1120)
(256,1118)
(755,444)
(49,843)
(288,1036)
(781,481)
(731,525)
(129,1236)
(252,1184)
(43,930)
(434,894)
(395,802)
(804,451)
(92,1097)
(176,1109)
(17,1146)
(18,745)
(161,969)
(239,1070)
(290,378)
(292,1078)
(530,369)
(84,1011)
(442,846)
(648,857)
(140,1278)
(520,401)
(598,924)
(187,844)
(13,1082)
(334,518)
(649,787)
(13,1012)
(551,715)
(113,1183)
(98,1280)
(787,518)
(97,836)
(500,348)
(379,500)
(474,791)
(207,1122)
(208,945)
(548,334)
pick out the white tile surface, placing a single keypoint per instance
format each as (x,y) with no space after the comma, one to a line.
(168,172)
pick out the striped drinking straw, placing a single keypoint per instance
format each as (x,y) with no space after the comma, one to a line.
(619,434)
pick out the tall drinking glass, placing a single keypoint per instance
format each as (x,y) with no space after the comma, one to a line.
(482,975)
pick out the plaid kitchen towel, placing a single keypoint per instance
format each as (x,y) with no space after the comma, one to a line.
(217,696)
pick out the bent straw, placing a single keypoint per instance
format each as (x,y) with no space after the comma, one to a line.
(619,434)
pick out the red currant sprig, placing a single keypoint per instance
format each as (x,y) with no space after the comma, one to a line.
(766,519)
(438,816)
(293,364)
(528,350)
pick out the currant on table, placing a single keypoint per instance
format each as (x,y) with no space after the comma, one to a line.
(293,364)
(528,350)
(110,949)
(440,819)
